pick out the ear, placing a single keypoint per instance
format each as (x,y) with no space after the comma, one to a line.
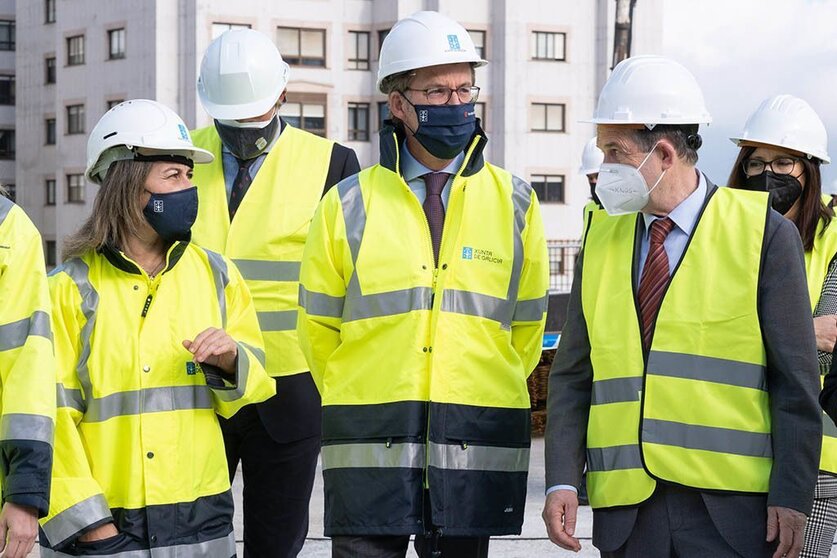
(668,154)
(282,98)
(397,106)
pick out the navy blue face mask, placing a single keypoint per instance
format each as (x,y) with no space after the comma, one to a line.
(172,214)
(445,130)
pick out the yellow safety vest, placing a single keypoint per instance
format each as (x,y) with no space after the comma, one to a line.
(267,235)
(422,369)
(817,262)
(694,410)
(27,364)
(137,436)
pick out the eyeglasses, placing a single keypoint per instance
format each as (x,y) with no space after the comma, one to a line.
(782,165)
(442,95)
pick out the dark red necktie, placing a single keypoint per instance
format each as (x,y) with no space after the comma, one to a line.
(241,184)
(434,209)
(655,277)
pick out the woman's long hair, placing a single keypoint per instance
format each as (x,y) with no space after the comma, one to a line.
(811,205)
(117,210)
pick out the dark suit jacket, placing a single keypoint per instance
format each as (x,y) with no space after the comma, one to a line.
(295,411)
(792,375)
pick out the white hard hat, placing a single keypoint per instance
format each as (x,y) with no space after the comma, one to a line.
(425,39)
(651,90)
(242,75)
(789,122)
(592,158)
(139,127)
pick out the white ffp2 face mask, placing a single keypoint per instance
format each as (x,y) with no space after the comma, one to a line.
(622,188)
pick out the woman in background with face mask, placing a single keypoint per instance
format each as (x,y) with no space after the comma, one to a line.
(153,337)
(782,145)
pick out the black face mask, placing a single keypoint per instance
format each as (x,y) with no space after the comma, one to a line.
(445,130)
(172,215)
(784,189)
(247,143)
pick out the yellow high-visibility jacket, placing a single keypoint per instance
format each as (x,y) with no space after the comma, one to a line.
(138,440)
(707,350)
(27,364)
(817,262)
(423,369)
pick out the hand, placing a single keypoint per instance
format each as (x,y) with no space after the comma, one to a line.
(18,529)
(789,525)
(213,346)
(101,532)
(826,329)
(559,515)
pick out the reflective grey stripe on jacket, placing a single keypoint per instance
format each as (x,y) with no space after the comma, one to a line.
(20,426)
(73,520)
(14,334)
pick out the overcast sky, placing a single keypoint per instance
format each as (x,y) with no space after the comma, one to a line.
(742,51)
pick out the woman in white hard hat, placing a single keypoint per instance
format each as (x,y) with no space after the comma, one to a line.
(153,337)
(783,145)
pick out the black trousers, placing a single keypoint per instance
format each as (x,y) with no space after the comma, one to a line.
(396,547)
(278,480)
(675,522)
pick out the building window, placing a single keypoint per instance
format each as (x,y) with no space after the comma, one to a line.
(310,116)
(49,11)
(50,254)
(50,69)
(50,191)
(548,46)
(358,121)
(75,188)
(113,102)
(7,35)
(383,113)
(75,50)
(549,187)
(302,47)
(547,117)
(50,131)
(382,34)
(116,44)
(7,144)
(479,42)
(7,90)
(219,28)
(75,119)
(358,50)
(479,109)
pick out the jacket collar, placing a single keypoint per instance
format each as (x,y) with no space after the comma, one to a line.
(120,261)
(392,136)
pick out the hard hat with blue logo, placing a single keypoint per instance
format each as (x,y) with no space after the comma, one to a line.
(135,129)
(425,39)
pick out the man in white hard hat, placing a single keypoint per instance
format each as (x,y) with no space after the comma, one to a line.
(686,377)
(591,159)
(422,309)
(257,200)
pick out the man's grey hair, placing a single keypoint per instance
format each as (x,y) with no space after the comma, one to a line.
(397,82)
(684,138)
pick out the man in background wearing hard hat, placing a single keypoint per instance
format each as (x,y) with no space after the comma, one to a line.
(422,310)
(591,160)
(256,203)
(686,378)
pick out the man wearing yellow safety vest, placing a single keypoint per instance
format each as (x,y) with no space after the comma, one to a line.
(257,200)
(686,378)
(27,382)
(422,308)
